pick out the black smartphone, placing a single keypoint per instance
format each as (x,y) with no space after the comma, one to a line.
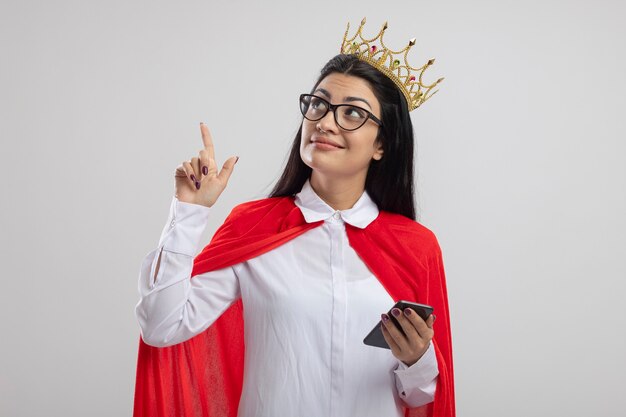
(376,338)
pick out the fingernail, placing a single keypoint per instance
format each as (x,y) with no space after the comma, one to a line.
(396,312)
(193,178)
(205,170)
(201,123)
(237,160)
(407,311)
(197,185)
(384,318)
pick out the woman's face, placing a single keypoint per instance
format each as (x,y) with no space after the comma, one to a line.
(353,150)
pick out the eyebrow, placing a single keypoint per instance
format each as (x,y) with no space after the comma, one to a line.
(348,99)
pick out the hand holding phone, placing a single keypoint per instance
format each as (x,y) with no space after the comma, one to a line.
(408,334)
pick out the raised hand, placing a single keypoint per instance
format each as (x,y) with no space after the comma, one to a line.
(197,180)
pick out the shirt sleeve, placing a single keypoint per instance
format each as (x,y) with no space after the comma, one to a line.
(172,306)
(416,383)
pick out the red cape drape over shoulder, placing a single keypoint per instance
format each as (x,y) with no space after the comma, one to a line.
(203,377)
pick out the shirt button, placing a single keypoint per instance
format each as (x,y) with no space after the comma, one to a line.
(336,215)
(172,223)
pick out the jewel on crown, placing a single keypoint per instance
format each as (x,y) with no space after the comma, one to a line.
(393,64)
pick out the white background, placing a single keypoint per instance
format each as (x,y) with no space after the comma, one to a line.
(520,172)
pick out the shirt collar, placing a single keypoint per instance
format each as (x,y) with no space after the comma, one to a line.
(314,208)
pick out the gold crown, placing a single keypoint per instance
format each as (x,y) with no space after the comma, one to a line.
(387,61)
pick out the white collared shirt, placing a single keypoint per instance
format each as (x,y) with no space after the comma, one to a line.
(308,304)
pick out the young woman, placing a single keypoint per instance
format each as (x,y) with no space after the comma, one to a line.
(301,277)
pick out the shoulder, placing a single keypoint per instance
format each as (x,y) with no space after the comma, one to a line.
(263,204)
(260,207)
(265,212)
(414,235)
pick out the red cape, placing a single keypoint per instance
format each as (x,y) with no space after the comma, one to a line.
(203,377)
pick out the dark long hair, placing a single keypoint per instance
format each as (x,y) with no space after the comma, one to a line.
(389,181)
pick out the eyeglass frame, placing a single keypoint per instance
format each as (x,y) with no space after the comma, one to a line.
(333,107)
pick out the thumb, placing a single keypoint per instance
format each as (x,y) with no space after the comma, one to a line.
(227,168)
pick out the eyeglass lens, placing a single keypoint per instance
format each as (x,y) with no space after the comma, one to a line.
(347,117)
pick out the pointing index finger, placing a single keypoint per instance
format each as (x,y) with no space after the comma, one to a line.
(207,139)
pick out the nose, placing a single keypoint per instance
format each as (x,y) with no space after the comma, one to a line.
(327,123)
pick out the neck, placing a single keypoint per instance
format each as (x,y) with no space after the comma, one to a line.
(338,193)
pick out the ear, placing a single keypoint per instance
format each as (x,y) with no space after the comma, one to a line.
(378,153)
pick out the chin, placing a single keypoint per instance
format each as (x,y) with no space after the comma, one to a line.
(336,169)
(318,163)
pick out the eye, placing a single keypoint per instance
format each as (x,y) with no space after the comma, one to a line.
(317,104)
(354,113)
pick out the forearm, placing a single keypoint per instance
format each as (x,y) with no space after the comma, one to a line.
(416,384)
(173,307)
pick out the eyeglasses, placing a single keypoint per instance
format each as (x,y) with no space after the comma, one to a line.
(347,116)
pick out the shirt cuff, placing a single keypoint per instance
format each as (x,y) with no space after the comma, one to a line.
(421,373)
(185,224)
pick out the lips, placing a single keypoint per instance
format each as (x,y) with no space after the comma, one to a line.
(327,141)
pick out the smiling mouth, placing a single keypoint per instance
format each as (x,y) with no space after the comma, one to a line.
(322,143)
